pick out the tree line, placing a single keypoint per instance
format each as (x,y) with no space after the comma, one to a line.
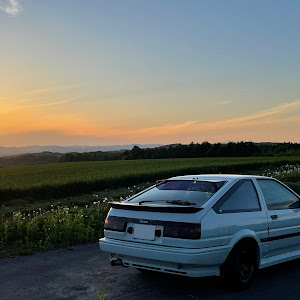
(205,149)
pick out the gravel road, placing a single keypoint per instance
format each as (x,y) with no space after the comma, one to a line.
(79,272)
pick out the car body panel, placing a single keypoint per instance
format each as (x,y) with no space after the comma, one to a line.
(284,230)
(220,233)
(184,261)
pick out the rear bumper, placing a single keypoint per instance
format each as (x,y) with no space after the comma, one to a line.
(183,261)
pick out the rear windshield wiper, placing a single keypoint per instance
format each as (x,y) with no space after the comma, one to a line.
(181,202)
(176,202)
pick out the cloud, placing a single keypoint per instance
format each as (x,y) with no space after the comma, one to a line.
(279,123)
(53,89)
(24,107)
(48,104)
(11,7)
(278,113)
(276,122)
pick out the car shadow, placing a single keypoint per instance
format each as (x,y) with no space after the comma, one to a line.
(280,281)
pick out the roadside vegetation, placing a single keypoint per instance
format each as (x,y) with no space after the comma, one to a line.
(30,225)
(45,225)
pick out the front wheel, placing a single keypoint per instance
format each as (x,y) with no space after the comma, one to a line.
(240,268)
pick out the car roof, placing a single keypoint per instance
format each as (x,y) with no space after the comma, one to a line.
(217,177)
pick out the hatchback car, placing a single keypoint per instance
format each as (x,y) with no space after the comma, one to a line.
(206,225)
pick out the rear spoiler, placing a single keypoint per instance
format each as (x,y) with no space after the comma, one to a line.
(157,208)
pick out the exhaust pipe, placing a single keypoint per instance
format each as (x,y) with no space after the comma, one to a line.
(116,262)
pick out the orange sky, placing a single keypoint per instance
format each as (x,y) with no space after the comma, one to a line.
(25,122)
(149,72)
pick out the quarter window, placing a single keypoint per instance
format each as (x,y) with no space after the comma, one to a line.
(242,197)
(277,196)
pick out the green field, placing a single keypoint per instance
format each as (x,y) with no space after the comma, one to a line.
(30,224)
(66,179)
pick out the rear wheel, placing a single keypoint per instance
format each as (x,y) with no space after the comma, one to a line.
(240,268)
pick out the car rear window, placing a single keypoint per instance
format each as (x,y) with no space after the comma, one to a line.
(197,192)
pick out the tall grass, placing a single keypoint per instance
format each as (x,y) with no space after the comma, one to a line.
(43,230)
(65,179)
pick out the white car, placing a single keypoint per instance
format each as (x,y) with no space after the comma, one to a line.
(206,225)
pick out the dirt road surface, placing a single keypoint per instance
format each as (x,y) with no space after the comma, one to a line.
(82,271)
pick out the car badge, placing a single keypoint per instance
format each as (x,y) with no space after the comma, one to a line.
(144,221)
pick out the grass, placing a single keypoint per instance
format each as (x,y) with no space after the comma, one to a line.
(60,227)
(38,225)
(67,179)
(43,225)
(28,205)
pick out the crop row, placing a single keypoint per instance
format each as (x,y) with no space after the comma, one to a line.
(66,179)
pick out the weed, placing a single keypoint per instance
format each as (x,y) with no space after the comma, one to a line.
(43,230)
(102,296)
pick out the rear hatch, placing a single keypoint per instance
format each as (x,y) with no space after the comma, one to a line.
(167,214)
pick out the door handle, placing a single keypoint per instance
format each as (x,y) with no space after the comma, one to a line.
(274,217)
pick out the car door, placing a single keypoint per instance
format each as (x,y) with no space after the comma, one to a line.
(283,214)
(239,209)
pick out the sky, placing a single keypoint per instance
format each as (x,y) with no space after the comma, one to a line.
(93,72)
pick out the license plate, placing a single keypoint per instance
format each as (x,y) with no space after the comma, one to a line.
(144,232)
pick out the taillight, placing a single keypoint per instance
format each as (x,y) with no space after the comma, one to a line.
(115,224)
(184,231)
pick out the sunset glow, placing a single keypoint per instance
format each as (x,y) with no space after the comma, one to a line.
(107,73)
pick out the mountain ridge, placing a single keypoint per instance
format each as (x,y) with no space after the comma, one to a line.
(11,151)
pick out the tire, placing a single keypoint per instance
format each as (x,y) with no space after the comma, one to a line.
(240,268)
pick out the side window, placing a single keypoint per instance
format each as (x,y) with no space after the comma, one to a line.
(242,197)
(277,196)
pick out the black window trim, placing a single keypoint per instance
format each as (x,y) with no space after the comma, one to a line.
(283,185)
(240,210)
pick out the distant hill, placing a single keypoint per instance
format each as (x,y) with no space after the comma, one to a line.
(132,152)
(10,151)
(29,159)
(231,149)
